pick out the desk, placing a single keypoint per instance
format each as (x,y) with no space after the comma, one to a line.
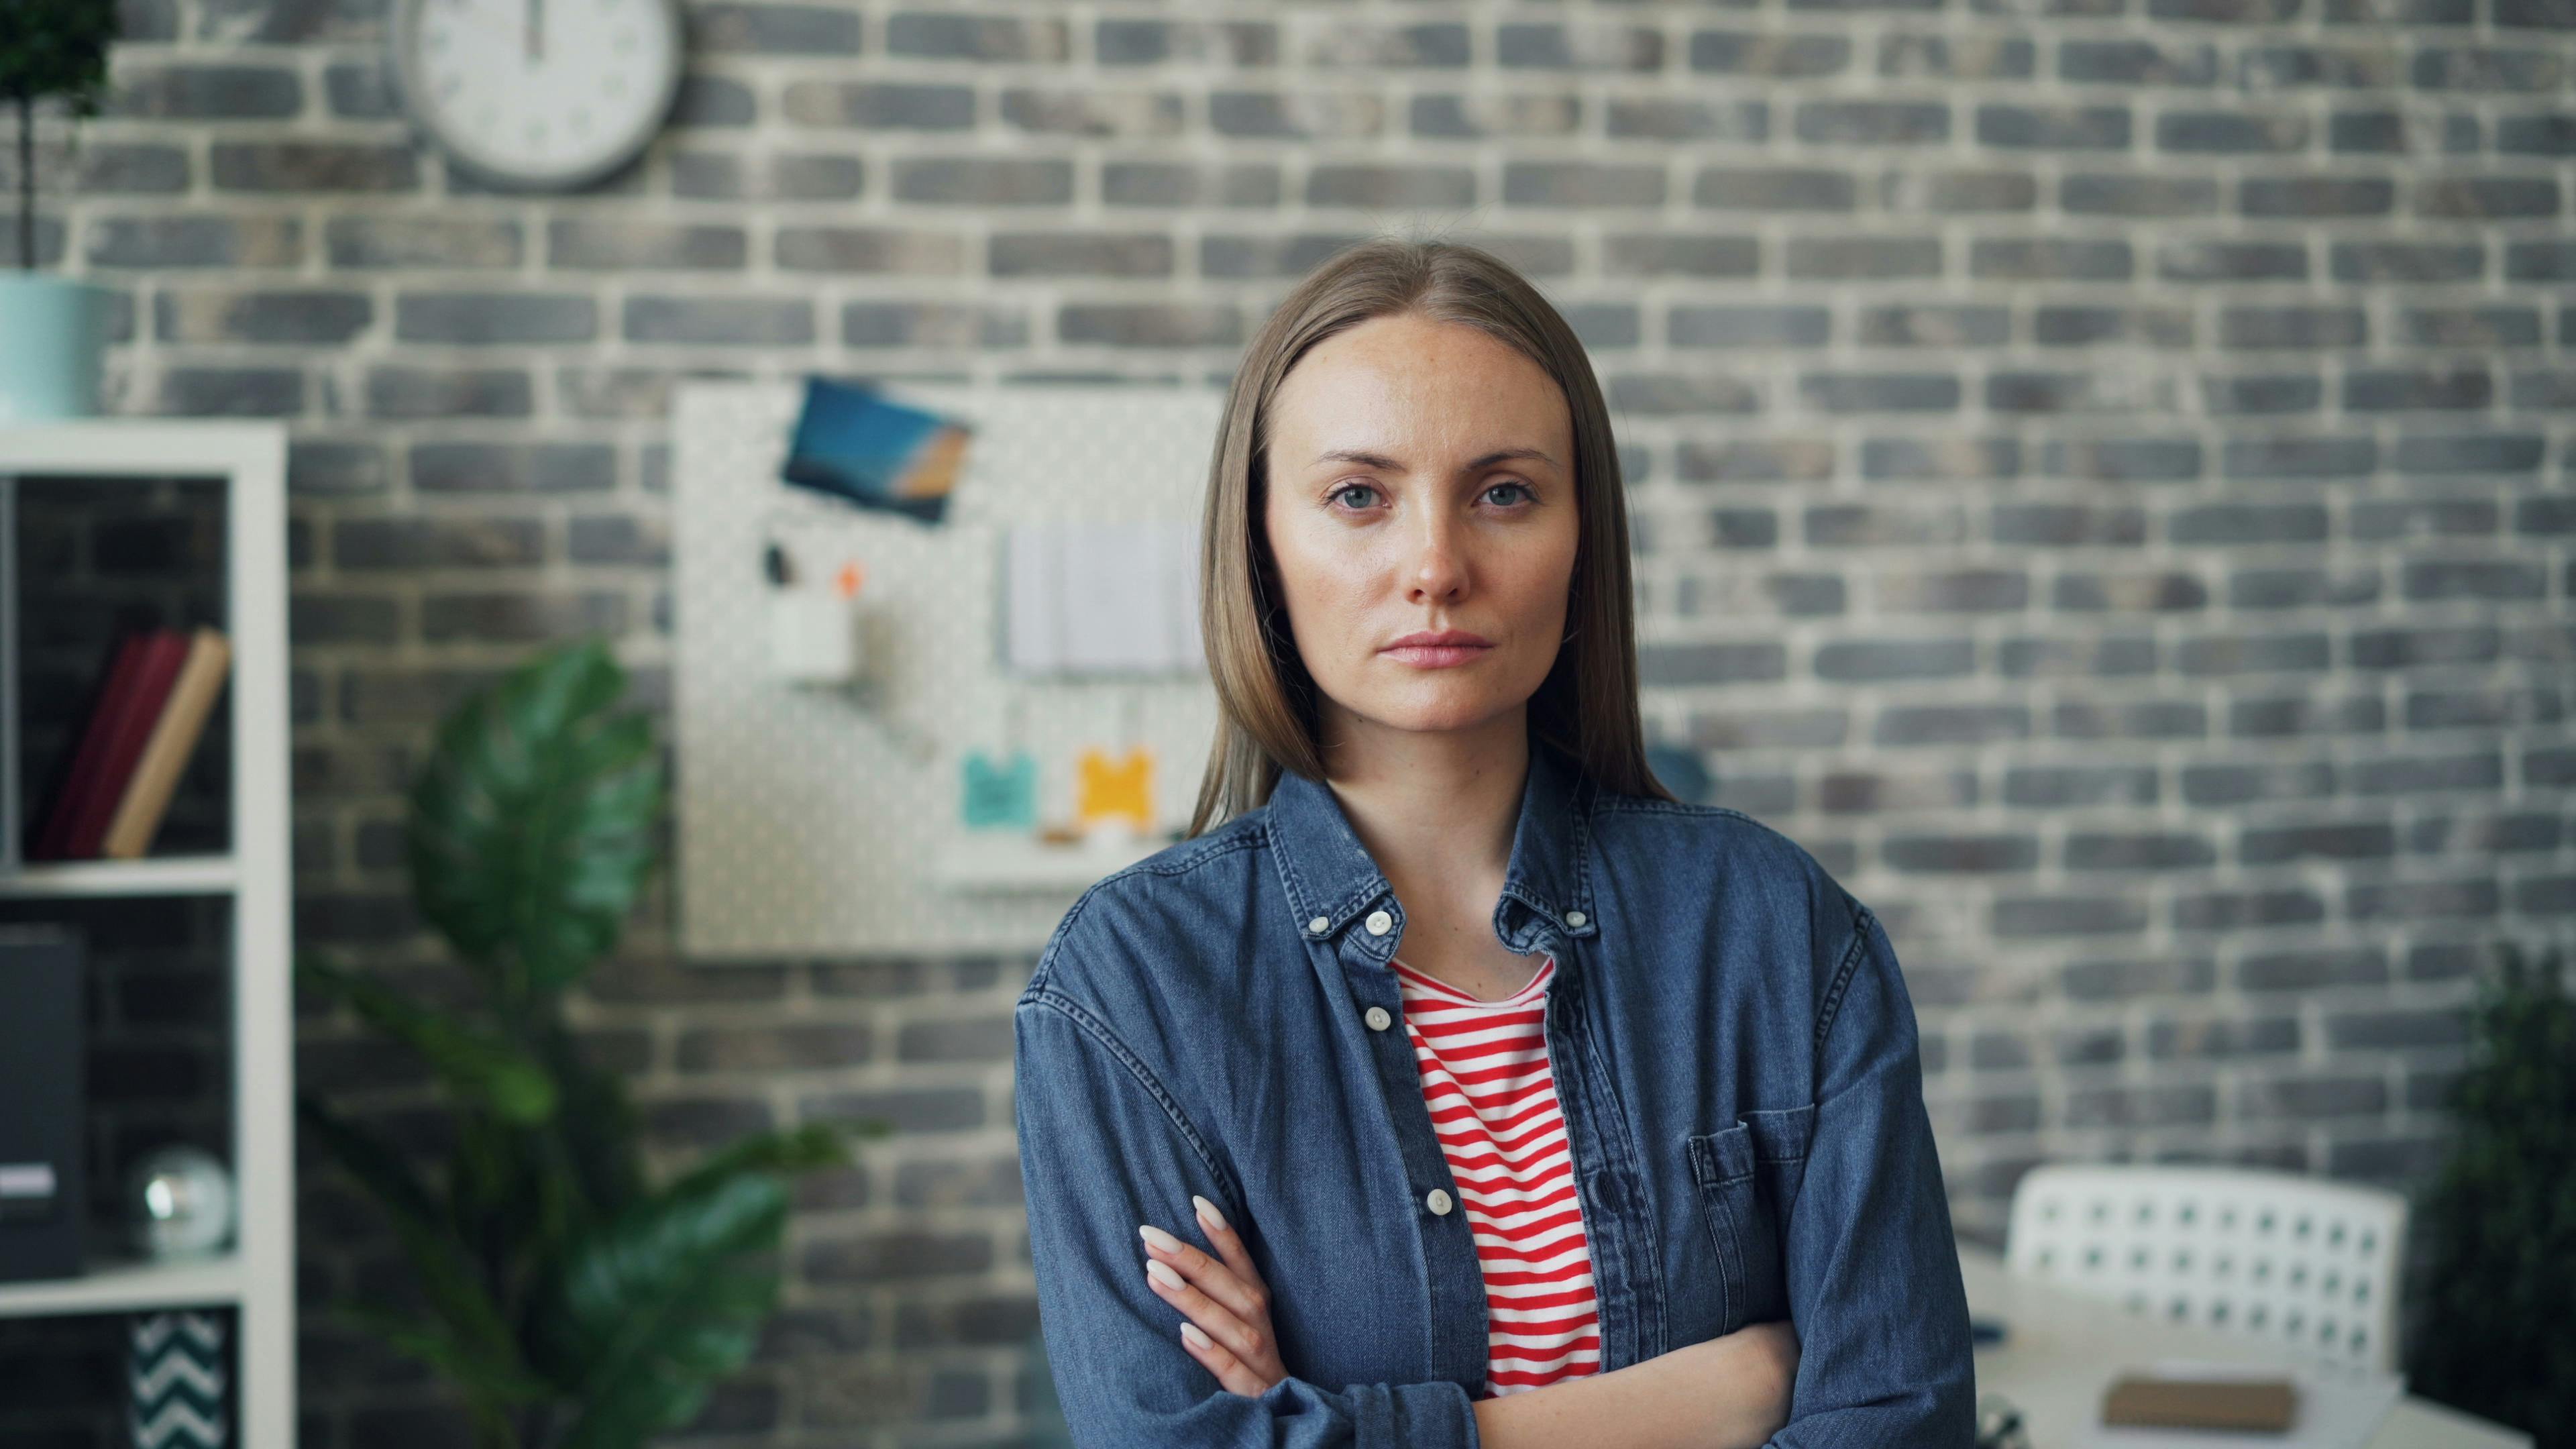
(2061,1350)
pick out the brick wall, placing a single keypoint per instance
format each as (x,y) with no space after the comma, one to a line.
(2100,473)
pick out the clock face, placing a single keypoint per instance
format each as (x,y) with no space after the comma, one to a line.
(538,93)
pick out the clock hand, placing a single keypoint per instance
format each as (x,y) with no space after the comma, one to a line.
(537,30)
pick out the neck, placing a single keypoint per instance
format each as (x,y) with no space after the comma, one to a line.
(1435,809)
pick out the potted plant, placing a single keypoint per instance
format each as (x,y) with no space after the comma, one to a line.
(571,1302)
(2502,1214)
(53,330)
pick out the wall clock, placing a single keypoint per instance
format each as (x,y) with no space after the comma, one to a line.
(538,95)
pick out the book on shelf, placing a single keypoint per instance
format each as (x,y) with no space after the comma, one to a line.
(159,687)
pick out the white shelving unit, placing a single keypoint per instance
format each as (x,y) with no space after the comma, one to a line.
(257,1277)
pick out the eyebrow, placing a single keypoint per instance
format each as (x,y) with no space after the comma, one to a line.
(1380,460)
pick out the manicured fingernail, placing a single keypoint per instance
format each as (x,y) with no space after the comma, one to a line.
(1159,1238)
(1192,1332)
(1208,1210)
(1162,1273)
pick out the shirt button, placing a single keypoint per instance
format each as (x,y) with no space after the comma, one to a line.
(1574,918)
(1377,1019)
(1379,923)
(1317,925)
(1438,1201)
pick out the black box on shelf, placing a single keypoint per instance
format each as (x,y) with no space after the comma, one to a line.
(42,1091)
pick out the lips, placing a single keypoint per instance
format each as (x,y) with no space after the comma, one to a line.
(1438,648)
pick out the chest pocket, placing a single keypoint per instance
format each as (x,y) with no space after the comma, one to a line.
(1746,1177)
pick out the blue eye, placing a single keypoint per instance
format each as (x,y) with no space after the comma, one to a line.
(1524,487)
(1351,487)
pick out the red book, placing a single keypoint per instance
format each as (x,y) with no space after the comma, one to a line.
(163,653)
(77,776)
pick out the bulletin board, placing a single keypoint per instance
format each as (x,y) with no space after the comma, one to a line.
(827,819)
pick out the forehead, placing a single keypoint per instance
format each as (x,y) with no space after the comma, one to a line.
(1408,381)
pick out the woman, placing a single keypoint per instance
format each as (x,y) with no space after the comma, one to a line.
(1627,1146)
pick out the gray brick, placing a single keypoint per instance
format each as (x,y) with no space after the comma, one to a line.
(1858,258)
(303,317)
(1934,326)
(1748,326)
(1376,186)
(513,467)
(2312,969)
(2111,194)
(879,105)
(628,244)
(2049,259)
(1051,254)
(2139,850)
(931,324)
(435,392)
(1936,724)
(1086,111)
(1150,42)
(1958,58)
(312,166)
(983,180)
(271,392)
(2023,916)
(181,92)
(2220,1040)
(1711,663)
(2083,128)
(1178,184)
(171,241)
(419,543)
(871,249)
(939,36)
(970,1039)
(520,617)
(1151,325)
(1526,115)
(1769,54)
(364,242)
(720,321)
(1357,45)
(1571,184)
(770,29)
(1960,853)
(1317,116)
(2058,786)
(1658,118)
(1872,123)
(1601,47)
(494,318)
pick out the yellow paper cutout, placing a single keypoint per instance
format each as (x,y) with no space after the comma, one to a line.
(1105,791)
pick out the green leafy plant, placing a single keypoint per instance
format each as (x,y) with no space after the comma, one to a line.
(573,1304)
(2494,1338)
(50,48)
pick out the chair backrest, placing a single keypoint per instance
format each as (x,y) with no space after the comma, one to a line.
(2297,1259)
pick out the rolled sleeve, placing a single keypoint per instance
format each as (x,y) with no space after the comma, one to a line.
(1875,1295)
(1103,1148)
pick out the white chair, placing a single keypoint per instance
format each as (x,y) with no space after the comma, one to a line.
(2296,1259)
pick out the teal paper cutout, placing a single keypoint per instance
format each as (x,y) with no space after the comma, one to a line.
(1001,795)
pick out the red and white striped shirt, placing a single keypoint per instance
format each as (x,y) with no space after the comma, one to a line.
(1492,1094)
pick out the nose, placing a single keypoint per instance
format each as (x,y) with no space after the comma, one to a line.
(1435,570)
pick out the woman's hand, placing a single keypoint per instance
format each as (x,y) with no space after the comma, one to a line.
(1226,1303)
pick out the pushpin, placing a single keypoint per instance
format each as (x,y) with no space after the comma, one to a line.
(846,580)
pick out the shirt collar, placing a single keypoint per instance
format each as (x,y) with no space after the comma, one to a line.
(1330,878)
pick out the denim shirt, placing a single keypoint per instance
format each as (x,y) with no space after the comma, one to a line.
(1734,1055)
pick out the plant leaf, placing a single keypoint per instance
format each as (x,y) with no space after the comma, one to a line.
(530,831)
(447,1274)
(477,1065)
(658,1305)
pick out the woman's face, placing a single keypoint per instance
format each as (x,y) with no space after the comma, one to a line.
(1421,479)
